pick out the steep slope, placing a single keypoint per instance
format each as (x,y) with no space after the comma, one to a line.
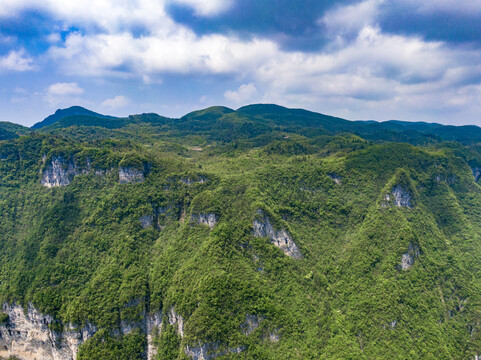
(10,130)
(324,248)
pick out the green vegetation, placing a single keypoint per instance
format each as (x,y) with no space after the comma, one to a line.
(82,254)
(3,318)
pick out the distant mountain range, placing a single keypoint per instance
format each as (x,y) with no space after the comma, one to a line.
(262,118)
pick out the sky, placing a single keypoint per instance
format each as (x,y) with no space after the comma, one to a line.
(370,59)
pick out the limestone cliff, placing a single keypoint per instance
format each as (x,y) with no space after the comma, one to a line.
(130,174)
(408,258)
(60,172)
(29,335)
(206,219)
(399,196)
(280,238)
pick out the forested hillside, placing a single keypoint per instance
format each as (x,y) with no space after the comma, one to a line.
(261,233)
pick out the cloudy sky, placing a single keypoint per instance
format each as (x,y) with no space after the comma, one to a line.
(370,59)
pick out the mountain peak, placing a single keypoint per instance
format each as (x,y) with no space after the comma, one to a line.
(63,113)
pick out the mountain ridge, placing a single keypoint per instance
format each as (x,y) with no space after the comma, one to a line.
(71,111)
(272,116)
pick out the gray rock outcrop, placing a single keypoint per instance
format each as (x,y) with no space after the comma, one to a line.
(476,173)
(153,327)
(208,351)
(251,324)
(189,181)
(146,221)
(408,258)
(28,336)
(280,238)
(399,196)
(336,178)
(130,175)
(205,219)
(60,172)
(174,319)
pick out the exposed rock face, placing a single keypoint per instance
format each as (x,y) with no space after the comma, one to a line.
(28,336)
(60,172)
(130,174)
(152,328)
(399,196)
(476,173)
(336,178)
(206,219)
(280,238)
(451,179)
(407,259)
(189,181)
(146,221)
(175,318)
(207,351)
(252,322)
(274,336)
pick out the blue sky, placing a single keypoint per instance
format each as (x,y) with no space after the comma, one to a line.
(369,59)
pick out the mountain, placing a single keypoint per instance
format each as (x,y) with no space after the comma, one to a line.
(10,130)
(249,122)
(64,113)
(257,233)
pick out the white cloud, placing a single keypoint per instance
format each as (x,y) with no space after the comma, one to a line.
(181,52)
(207,7)
(116,102)
(65,94)
(344,20)
(110,15)
(243,94)
(65,89)
(362,71)
(16,61)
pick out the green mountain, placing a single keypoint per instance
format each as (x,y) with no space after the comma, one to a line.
(65,113)
(10,130)
(248,124)
(257,233)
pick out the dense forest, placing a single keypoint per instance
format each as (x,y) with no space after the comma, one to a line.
(260,233)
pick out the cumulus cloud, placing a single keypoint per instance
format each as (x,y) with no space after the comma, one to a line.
(361,71)
(65,89)
(63,94)
(16,61)
(182,52)
(345,20)
(388,75)
(206,7)
(116,102)
(243,94)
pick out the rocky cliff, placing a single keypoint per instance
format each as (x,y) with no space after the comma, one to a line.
(130,174)
(28,335)
(280,238)
(399,196)
(60,172)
